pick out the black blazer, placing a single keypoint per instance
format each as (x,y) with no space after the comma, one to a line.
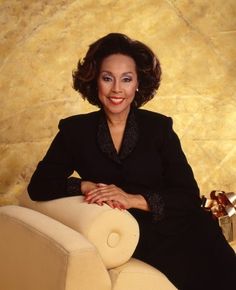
(150,162)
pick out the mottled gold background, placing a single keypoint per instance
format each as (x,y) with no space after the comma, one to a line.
(41,42)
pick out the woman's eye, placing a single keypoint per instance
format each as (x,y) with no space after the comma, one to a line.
(107,79)
(127,80)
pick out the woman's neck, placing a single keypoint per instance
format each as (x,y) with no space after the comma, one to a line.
(117,120)
(116,124)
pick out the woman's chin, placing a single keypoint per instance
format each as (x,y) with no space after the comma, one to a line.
(117,109)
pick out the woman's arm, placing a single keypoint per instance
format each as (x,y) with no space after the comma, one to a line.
(179,190)
(50,179)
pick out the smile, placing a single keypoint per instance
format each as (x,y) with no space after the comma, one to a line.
(115,100)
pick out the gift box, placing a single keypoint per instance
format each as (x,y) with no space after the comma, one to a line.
(223,208)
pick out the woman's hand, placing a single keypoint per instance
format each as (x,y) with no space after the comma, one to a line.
(109,194)
(87,186)
(112,195)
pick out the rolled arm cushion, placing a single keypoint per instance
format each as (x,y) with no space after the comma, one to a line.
(114,233)
(40,253)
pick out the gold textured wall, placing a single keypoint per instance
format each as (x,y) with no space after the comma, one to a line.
(41,42)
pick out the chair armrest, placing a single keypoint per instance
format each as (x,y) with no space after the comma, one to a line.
(115,233)
(38,253)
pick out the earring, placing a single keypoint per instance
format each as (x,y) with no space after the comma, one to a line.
(137,90)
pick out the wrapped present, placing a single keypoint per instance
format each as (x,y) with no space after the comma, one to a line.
(223,207)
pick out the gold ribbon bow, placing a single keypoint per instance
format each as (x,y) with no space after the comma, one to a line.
(220,203)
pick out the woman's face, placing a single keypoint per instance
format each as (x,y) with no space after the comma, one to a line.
(117,83)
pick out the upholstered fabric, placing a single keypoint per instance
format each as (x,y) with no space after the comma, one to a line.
(137,275)
(115,233)
(233,245)
(39,253)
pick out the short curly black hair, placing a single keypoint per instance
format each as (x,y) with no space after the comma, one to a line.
(147,66)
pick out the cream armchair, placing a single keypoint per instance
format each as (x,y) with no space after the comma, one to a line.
(67,244)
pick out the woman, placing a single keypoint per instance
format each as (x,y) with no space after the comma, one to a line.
(132,159)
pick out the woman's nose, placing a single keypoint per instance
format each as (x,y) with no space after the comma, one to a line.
(116,87)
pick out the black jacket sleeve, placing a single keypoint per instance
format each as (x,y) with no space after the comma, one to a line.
(178,194)
(50,179)
(180,190)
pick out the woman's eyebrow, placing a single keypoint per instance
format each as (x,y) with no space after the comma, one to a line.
(109,72)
